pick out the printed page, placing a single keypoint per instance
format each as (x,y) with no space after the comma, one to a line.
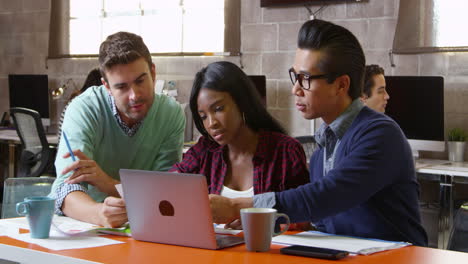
(351,244)
(28,256)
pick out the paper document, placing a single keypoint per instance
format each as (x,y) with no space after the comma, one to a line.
(14,223)
(6,229)
(351,244)
(58,241)
(65,226)
(219,229)
(69,226)
(65,233)
(29,256)
(62,224)
(118,231)
(119,189)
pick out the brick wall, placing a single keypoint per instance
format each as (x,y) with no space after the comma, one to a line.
(269,41)
(268,44)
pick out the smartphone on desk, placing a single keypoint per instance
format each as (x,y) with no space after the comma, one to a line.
(314,252)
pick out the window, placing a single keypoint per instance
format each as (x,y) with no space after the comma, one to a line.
(430,26)
(448,17)
(167,26)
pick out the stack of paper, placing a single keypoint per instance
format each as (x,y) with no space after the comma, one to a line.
(11,254)
(61,224)
(219,229)
(66,233)
(351,244)
(118,231)
(68,226)
(58,241)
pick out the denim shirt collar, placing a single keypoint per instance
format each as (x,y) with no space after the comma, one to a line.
(340,125)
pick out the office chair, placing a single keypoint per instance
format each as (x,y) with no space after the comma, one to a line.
(309,145)
(36,156)
(459,235)
(16,189)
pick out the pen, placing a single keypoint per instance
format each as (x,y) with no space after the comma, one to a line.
(68,146)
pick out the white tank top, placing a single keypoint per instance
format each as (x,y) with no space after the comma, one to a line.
(230,193)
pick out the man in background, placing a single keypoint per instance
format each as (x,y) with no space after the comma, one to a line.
(374,94)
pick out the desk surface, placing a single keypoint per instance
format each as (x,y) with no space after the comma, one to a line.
(133,251)
(11,135)
(442,167)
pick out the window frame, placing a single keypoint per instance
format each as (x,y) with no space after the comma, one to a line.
(416,31)
(59,45)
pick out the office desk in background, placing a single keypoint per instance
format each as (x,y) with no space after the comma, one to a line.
(133,251)
(446,171)
(10,137)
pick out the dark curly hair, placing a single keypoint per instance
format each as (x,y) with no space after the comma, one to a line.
(371,71)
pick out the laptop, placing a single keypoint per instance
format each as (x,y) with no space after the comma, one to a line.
(171,208)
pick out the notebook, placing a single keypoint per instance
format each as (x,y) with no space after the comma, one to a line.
(171,208)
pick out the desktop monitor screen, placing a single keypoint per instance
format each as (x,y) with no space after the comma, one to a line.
(30,91)
(417,104)
(260,83)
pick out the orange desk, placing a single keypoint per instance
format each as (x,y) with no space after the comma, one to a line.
(133,251)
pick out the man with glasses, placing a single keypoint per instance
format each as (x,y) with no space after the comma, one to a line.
(362,178)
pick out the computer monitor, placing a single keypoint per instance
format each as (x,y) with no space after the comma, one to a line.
(417,104)
(260,83)
(30,91)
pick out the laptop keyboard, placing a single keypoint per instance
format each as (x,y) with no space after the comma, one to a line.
(226,241)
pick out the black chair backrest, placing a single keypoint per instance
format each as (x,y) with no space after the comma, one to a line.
(309,145)
(36,155)
(459,234)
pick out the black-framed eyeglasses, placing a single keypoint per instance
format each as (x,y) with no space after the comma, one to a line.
(304,78)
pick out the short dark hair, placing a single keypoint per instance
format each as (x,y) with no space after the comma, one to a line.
(227,77)
(371,71)
(343,55)
(122,48)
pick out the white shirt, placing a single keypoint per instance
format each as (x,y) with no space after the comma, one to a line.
(230,193)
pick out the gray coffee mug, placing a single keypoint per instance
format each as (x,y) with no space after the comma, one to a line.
(258,225)
(39,211)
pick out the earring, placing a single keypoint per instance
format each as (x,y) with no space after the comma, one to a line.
(243,117)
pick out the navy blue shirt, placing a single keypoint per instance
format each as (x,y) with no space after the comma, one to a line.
(371,190)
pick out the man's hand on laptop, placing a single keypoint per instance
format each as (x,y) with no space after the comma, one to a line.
(87,170)
(226,210)
(113,212)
